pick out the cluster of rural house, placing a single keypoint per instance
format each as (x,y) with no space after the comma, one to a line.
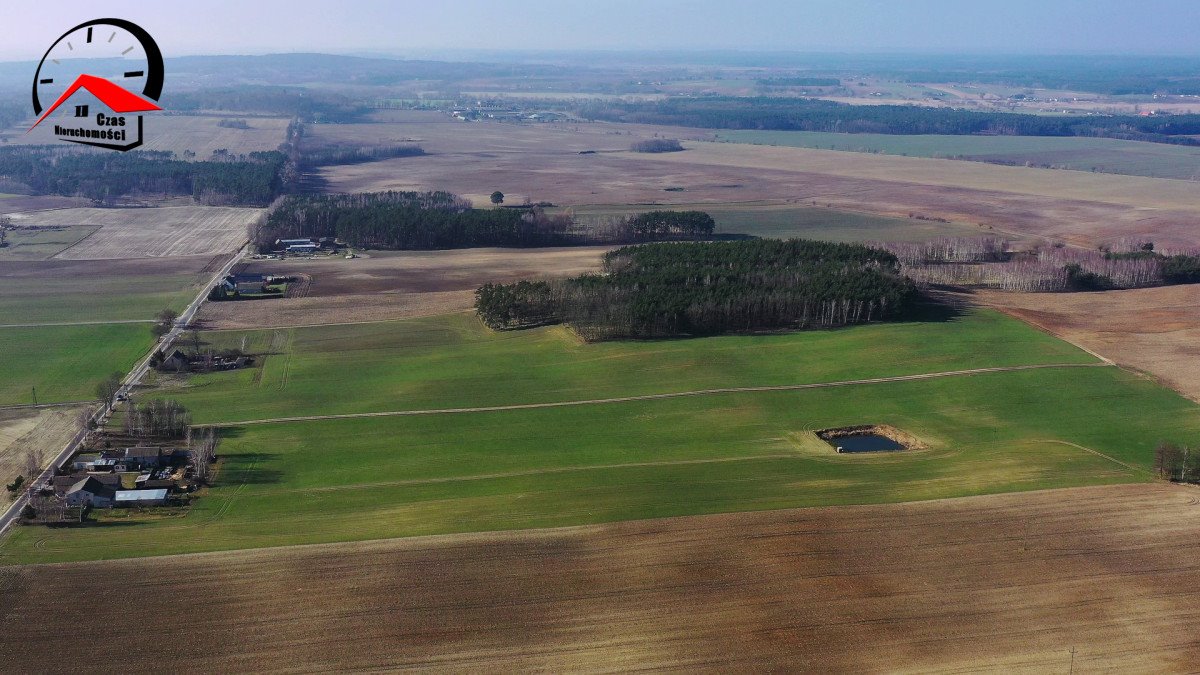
(103,479)
(249,284)
(179,361)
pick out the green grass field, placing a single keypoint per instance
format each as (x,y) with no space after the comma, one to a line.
(43,243)
(787,221)
(66,362)
(65,299)
(1104,155)
(344,480)
(453,361)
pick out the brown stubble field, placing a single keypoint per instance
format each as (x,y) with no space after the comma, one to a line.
(1154,330)
(201,134)
(44,432)
(542,162)
(1010,583)
(388,285)
(148,232)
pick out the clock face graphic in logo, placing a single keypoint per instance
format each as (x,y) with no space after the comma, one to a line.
(129,81)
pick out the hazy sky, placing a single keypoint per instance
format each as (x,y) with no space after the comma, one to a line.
(933,26)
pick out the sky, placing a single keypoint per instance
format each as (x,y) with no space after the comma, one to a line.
(411,27)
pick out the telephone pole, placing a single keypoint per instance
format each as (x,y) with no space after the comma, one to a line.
(35,397)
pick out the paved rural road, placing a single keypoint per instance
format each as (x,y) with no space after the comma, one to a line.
(653,397)
(135,376)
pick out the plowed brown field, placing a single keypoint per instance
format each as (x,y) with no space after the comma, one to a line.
(1156,330)
(392,285)
(543,162)
(1101,579)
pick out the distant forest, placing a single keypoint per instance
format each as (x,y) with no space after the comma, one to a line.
(708,288)
(792,114)
(253,179)
(441,220)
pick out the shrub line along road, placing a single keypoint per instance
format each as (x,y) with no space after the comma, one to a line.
(132,380)
(652,397)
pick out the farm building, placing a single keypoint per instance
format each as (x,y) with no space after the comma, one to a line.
(90,491)
(302,248)
(176,361)
(143,458)
(61,484)
(84,461)
(245,283)
(140,497)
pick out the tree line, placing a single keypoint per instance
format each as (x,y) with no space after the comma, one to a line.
(1177,463)
(708,288)
(253,179)
(798,114)
(985,261)
(442,220)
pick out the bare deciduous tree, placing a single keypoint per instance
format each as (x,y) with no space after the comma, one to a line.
(203,449)
(33,463)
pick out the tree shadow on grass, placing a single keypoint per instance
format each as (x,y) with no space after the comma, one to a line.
(248,468)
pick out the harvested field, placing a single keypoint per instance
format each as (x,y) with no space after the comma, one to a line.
(787,219)
(43,432)
(1104,155)
(543,163)
(200,134)
(1093,578)
(149,232)
(392,285)
(1156,330)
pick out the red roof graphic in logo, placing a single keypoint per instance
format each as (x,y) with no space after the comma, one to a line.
(115,97)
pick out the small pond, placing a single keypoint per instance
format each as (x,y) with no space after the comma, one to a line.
(866,442)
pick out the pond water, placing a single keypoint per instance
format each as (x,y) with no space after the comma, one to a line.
(865,443)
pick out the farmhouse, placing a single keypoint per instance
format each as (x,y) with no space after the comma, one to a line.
(61,484)
(177,361)
(245,283)
(90,492)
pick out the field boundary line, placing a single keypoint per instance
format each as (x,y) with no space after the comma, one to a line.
(1007,311)
(1135,469)
(654,397)
(78,241)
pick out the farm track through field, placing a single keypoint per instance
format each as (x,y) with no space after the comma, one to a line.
(520,474)
(1135,469)
(654,397)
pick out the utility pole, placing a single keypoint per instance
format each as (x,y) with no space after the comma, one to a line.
(35,397)
(1072,660)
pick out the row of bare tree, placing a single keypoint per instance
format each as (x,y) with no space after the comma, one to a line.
(157,417)
(948,250)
